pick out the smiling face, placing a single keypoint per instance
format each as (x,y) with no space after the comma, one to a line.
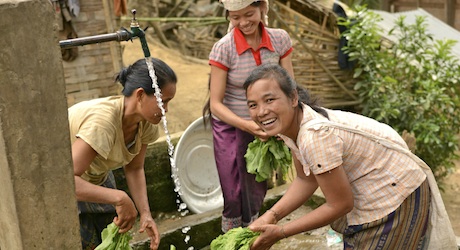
(271,108)
(247,20)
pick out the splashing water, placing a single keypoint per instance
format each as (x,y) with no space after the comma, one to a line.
(182,207)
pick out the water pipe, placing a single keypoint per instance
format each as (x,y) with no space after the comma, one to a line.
(121,35)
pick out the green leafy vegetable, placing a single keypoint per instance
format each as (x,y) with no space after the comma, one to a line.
(263,158)
(235,239)
(113,240)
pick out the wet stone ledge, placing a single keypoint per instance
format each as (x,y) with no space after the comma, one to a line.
(204,227)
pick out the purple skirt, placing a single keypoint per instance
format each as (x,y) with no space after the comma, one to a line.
(243,195)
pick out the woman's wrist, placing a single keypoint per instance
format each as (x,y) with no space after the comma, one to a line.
(283,233)
(275,214)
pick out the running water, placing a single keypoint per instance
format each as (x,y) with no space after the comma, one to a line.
(182,207)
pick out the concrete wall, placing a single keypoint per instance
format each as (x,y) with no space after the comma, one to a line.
(160,186)
(37,205)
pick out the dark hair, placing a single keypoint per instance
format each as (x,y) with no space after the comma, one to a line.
(206,112)
(286,83)
(137,76)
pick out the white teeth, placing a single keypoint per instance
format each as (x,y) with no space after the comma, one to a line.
(268,121)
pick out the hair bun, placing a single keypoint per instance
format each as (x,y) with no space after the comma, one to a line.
(123,75)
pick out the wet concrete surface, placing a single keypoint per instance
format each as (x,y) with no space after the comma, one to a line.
(202,228)
(312,240)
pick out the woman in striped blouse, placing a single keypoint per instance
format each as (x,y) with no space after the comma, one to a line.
(378,194)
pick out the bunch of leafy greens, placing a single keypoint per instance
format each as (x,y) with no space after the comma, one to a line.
(263,158)
(113,240)
(235,239)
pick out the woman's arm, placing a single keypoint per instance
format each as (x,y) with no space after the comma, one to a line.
(82,155)
(286,63)
(339,201)
(135,178)
(300,190)
(217,93)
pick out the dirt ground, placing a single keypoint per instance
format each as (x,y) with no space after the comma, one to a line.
(192,93)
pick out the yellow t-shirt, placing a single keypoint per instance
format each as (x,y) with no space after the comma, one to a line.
(99,123)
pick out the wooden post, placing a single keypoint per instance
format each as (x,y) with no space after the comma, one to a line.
(115,49)
(385,5)
(450,9)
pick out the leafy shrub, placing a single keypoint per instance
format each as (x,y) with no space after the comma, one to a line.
(412,84)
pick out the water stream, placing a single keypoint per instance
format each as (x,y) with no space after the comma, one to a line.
(182,207)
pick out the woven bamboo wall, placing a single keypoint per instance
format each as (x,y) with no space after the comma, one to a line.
(91,74)
(315,56)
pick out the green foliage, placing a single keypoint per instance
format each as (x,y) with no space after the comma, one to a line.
(235,239)
(263,158)
(113,240)
(411,85)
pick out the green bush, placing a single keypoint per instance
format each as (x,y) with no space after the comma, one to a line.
(412,84)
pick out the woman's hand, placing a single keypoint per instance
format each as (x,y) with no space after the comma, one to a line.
(254,129)
(126,213)
(270,234)
(148,224)
(267,218)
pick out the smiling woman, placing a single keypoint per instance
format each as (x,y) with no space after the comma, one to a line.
(249,43)
(344,154)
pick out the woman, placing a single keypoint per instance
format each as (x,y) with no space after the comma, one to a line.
(113,132)
(376,193)
(248,44)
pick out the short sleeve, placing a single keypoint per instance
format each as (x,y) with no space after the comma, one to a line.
(322,149)
(220,52)
(286,43)
(98,133)
(281,41)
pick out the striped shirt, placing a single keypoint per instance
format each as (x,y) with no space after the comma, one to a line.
(99,123)
(380,178)
(233,54)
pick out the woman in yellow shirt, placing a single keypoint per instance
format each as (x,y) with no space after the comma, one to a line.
(113,132)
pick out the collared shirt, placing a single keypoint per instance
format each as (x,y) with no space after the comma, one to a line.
(380,178)
(99,123)
(233,54)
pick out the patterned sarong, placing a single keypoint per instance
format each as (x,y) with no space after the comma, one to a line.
(405,228)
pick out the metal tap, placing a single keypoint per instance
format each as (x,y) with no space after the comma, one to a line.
(136,31)
(121,35)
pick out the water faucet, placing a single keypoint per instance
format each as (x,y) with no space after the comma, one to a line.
(136,31)
(121,35)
